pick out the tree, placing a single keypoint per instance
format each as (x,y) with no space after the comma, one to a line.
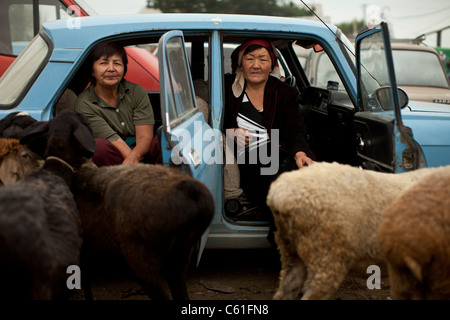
(351,29)
(259,7)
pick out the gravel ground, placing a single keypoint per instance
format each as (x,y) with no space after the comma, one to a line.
(229,275)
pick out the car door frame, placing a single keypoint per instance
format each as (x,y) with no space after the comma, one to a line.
(384,143)
(187,141)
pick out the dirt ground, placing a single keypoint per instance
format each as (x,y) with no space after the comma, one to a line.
(229,275)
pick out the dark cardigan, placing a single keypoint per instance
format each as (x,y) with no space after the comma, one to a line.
(281,111)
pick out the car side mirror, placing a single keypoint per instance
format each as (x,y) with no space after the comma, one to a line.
(384,98)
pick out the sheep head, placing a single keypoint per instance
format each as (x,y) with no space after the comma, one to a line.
(14,123)
(16,161)
(67,136)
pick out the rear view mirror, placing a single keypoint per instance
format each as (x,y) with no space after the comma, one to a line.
(383,95)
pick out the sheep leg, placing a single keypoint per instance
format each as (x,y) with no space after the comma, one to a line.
(86,283)
(322,283)
(292,279)
(154,288)
(148,272)
(178,268)
(293,269)
(177,285)
(41,287)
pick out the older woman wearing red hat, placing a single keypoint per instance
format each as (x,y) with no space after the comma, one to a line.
(260,111)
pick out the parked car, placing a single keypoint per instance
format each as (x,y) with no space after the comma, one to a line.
(361,125)
(20,21)
(421,73)
(418,68)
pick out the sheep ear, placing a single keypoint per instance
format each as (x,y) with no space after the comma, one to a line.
(8,166)
(415,267)
(85,138)
(35,137)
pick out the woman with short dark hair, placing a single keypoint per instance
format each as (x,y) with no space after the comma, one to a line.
(120,112)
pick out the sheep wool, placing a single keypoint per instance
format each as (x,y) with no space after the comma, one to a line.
(414,238)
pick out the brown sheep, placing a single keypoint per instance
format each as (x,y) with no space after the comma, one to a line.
(150,215)
(155,228)
(16,160)
(414,238)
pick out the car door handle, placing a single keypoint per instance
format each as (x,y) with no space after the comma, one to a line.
(195,158)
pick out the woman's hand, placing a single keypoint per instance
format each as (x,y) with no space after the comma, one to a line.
(132,158)
(242,137)
(301,159)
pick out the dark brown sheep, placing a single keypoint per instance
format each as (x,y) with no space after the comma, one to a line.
(40,228)
(150,215)
(14,123)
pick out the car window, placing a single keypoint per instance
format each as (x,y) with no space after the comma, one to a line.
(12,84)
(178,85)
(373,71)
(318,66)
(319,69)
(409,62)
(20,23)
(326,72)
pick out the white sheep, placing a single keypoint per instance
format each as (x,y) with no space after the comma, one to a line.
(327,215)
(40,228)
(414,239)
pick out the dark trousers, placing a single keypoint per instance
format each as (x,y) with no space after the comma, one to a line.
(107,154)
(256,186)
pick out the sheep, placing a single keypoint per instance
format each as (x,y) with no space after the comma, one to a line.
(14,123)
(174,212)
(414,239)
(40,227)
(16,160)
(326,216)
(150,215)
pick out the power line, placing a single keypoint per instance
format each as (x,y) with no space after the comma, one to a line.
(422,14)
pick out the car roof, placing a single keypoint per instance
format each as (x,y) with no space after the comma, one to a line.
(411,46)
(86,30)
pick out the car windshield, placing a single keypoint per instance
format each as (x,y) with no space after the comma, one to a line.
(25,67)
(318,66)
(408,62)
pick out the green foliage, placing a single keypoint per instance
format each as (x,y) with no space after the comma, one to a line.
(352,28)
(259,7)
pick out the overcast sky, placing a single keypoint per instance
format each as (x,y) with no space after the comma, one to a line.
(407,18)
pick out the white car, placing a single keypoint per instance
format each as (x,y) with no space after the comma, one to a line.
(418,69)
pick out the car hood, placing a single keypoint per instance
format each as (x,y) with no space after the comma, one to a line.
(428,94)
(421,106)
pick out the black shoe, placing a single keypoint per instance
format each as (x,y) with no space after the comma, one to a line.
(238,205)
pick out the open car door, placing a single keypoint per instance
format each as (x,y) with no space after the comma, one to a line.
(187,141)
(384,143)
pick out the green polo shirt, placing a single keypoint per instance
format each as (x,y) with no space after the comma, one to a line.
(113,122)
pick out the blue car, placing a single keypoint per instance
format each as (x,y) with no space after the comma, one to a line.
(370,124)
